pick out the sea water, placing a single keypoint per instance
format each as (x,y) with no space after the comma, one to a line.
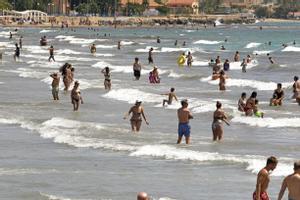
(50,152)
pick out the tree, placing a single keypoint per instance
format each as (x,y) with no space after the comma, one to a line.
(262,12)
(4,4)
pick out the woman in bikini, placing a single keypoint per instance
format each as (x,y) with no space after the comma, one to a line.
(76,96)
(107,80)
(217,125)
(136,119)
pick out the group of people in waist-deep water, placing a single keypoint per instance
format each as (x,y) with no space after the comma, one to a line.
(290,182)
(67,72)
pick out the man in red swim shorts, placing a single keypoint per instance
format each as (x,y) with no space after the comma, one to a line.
(263,180)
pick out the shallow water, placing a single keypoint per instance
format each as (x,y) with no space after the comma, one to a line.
(50,152)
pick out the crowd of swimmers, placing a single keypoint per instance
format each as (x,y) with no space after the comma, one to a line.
(247,106)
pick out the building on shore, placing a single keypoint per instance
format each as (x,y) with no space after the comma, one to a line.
(242,3)
(59,7)
(175,6)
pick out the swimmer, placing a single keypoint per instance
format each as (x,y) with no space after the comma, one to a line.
(76,97)
(137,68)
(21,42)
(93,49)
(294,43)
(218,60)
(142,196)
(244,65)
(171,95)
(119,45)
(292,182)
(176,43)
(223,48)
(248,59)
(256,112)
(226,65)
(107,79)
(184,115)
(278,96)
(236,57)
(242,102)
(270,43)
(150,56)
(263,179)
(51,52)
(184,44)
(296,87)
(137,113)
(271,60)
(217,125)
(158,40)
(17,52)
(189,59)
(55,85)
(250,104)
(10,35)
(222,81)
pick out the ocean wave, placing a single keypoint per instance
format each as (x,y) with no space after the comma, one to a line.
(259,85)
(237,65)
(262,52)
(68,52)
(101,46)
(131,95)
(127,43)
(74,40)
(55,197)
(22,171)
(291,49)
(64,131)
(253,163)
(207,42)
(252,45)
(47,31)
(268,122)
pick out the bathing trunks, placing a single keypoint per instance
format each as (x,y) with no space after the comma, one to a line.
(184,129)
(263,196)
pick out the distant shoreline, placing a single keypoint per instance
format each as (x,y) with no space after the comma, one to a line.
(170,21)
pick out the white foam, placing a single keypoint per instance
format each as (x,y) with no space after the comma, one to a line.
(64,131)
(55,197)
(291,49)
(147,49)
(207,42)
(127,42)
(36,49)
(252,45)
(268,122)
(47,31)
(218,23)
(253,163)
(74,40)
(262,52)
(237,65)
(131,95)
(68,52)
(104,55)
(101,46)
(170,49)
(260,85)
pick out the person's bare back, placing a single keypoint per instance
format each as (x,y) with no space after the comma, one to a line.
(184,115)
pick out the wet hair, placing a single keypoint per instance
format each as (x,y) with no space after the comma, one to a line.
(136,59)
(51,46)
(296,78)
(107,69)
(236,52)
(254,95)
(172,89)
(279,85)
(218,104)
(184,102)
(297,165)
(272,160)
(243,94)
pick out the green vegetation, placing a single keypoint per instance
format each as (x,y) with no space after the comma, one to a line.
(4,4)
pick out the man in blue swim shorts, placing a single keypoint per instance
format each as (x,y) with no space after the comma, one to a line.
(184,116)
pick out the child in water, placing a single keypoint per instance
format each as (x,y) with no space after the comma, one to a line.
(256,112)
